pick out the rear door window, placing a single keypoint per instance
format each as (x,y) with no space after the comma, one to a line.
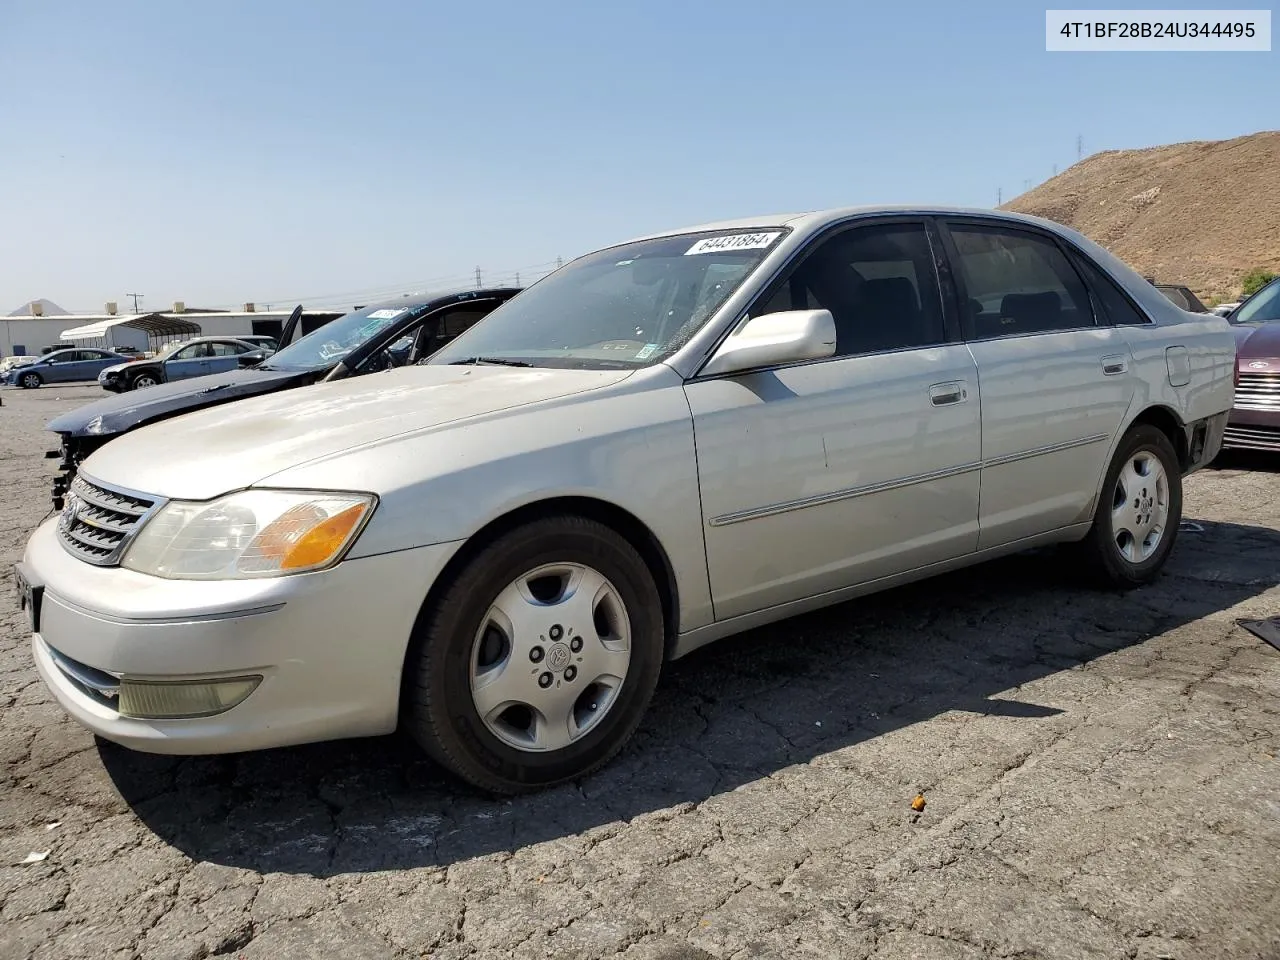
(1016,282)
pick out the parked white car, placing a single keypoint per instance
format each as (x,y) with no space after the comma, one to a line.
(661,444)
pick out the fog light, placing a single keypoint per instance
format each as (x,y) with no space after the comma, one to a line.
(168,700)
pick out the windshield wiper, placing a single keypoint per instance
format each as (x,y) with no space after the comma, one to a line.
(500,361)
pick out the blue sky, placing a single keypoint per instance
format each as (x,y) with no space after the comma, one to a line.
(277,150)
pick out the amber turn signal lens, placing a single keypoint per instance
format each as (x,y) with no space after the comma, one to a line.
(318,544)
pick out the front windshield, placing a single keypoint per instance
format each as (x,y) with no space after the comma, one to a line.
(326,347)
(621,308)
(1262,307)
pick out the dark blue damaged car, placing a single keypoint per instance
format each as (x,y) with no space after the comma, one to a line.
(372,338)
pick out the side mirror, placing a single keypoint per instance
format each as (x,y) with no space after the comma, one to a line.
(252,358)
(776,338)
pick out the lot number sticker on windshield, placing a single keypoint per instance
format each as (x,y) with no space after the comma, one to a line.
(733,241)
(385,314)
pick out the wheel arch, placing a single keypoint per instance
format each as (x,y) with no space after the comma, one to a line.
(1164,419)
(626,524)
(1170,424)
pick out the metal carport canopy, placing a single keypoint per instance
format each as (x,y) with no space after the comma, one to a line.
(154,324)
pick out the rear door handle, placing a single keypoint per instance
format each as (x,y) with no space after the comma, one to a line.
(942,394)
(1114,365)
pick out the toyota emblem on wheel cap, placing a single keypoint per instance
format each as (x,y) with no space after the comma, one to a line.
(558,657)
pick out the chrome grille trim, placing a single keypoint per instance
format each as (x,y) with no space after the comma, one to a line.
(1258,391)
(97,685)
(98,521)
(1251,437)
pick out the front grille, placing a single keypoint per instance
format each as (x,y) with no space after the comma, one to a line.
(97,523)
(1258,391)
(1251,437)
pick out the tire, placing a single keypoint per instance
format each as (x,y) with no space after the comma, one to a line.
(30,381)
(463,638)
(143,380)
(1129,503)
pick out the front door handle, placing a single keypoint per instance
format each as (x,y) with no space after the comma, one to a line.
(942,394)
(1114,365)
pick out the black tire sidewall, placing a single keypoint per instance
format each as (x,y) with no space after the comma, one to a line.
(452,729)
(1140,439)
(135,385)
(30,381)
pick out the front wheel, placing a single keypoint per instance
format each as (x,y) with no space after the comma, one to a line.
(537,663)
(1138,513)
(30,381)
(144,380)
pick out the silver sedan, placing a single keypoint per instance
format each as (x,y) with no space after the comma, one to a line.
(663,443)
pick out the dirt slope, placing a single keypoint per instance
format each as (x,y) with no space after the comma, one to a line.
(1200,213)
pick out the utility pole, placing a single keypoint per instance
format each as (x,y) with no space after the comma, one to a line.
(559,263)
(477,278)
(517,278)
(999,195)
(1026,185)
(1079,146)
(1055,169)
(136,298)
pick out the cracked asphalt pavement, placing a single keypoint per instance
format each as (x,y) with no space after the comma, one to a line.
(1100,772)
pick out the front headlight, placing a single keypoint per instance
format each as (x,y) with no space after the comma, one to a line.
(254,533)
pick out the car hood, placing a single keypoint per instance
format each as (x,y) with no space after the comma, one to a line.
(123,365)
(1257,343)
(120,412)
(207,453)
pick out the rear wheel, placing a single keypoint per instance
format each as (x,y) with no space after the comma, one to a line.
(1136,521)
(143,380)
(537,663)
(30,380)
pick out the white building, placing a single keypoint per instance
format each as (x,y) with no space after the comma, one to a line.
(145,331)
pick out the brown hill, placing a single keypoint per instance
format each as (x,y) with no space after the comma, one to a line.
(1202,213)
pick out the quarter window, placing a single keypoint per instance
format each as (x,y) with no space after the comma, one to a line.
(879,284)
(1017,283)
(227,349)
(1115,305)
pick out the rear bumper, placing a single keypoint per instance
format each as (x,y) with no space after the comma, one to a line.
(1204,441)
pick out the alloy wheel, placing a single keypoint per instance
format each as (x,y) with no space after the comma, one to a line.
(1140,507)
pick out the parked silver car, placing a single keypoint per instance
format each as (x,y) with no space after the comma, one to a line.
(661,444)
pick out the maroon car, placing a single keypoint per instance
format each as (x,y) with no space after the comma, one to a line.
(1255,418)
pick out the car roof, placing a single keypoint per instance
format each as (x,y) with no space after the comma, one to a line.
(440,297)
(820,218)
